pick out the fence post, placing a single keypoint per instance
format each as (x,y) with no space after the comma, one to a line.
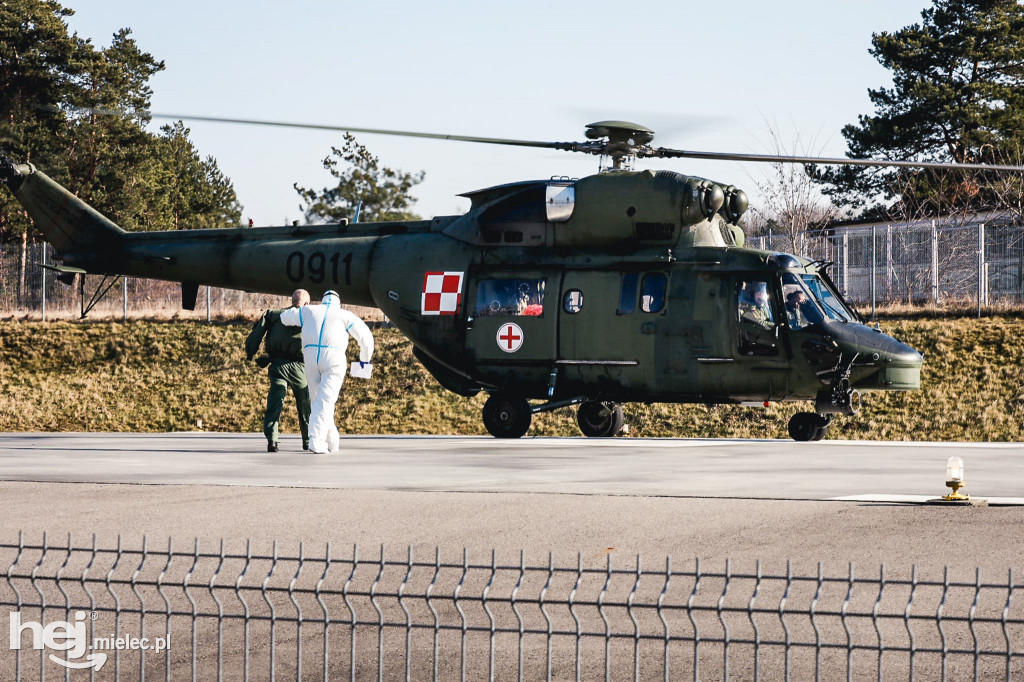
(124,297)
(981,266)
(888,262)
(42,273)
(934,237)
(846,263)
(874,260)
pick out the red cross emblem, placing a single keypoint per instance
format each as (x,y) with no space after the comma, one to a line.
(510,337)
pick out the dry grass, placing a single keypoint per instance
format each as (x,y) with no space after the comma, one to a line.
(949,310)
(167,376)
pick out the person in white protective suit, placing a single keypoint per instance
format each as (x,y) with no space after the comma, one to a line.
(325,331)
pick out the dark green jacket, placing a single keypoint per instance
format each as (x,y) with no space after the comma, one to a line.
(282,342)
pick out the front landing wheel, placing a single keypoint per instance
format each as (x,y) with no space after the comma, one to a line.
(507,416)
(807,426)
(598,419)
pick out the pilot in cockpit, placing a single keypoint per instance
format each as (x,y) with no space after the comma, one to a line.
(754,306)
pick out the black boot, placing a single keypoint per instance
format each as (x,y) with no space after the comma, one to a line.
(271,447)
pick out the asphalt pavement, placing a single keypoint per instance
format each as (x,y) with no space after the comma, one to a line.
(765,469)
(788,505)
(687,498)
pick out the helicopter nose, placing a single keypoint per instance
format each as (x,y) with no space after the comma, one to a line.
(899,365)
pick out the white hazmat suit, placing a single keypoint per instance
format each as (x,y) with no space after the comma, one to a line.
(325,331)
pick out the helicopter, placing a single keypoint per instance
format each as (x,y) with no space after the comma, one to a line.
(623,286)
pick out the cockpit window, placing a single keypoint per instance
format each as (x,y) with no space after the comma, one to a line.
(801,308)
(830,303)
(496,297)
(754,304)
(757,331)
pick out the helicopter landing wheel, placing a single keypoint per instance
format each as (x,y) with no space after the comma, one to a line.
(507,416)
(598,419)
(808,426)
(823,428)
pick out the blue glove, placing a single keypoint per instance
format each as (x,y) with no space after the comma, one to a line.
(362,364)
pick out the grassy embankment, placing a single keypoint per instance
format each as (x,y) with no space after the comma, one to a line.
(167,376)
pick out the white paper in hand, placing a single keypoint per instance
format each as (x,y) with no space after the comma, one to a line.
(361,372)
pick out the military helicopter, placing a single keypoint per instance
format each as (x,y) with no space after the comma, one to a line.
(618,287)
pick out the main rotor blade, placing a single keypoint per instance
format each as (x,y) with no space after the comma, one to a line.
(567,146)
(662,152)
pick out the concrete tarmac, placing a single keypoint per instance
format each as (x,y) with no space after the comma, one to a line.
(746,501)
(769,469)
(712,498)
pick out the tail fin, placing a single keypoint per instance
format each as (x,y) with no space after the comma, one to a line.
(67,222)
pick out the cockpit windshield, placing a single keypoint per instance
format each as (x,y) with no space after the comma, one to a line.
(827,299)
(802,309)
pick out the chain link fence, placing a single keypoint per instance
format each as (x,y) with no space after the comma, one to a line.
(241,611)
(928,261)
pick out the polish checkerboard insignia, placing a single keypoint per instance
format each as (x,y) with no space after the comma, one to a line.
(509,337)
(442,293)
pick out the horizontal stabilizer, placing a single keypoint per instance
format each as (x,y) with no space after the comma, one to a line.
(63,268)
(65,273)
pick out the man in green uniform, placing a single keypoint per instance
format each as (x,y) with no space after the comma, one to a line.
(795,302)
(754,306)
(283,346)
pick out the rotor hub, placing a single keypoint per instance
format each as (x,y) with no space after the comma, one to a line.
(621,141)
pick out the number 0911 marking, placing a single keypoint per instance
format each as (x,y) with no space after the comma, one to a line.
(298,267)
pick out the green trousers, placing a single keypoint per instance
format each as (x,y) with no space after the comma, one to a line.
(284,375)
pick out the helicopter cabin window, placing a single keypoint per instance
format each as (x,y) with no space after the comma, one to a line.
(572,302)
(652,292)
(627,295)
(756,318)
(510,297)
(518,219)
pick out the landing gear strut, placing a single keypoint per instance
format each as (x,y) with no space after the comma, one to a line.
(598,419)
(839,398)
(807,426)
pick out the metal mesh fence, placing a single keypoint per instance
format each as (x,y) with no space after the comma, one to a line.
(243,612)
(929,261)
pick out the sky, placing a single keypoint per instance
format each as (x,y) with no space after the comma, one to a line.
(705,76)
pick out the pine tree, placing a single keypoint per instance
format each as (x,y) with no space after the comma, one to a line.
(53,88)
(198,194)
(382,192)
(957,95)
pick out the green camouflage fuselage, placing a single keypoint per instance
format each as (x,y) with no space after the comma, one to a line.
(614,231)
